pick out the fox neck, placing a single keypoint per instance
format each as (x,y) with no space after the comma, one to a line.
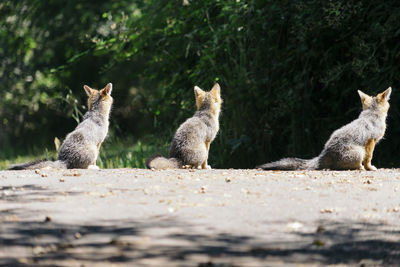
(100,112)
(208,117)
(374,114)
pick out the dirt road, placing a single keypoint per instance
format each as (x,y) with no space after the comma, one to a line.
(135,217)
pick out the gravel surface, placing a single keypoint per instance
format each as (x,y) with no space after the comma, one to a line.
(137,217)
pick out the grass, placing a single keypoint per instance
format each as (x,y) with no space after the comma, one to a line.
(10,156)
(129,154)
(113,153)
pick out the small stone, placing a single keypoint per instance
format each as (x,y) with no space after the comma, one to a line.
(326,211)
(203,189)
(37,250)
(319,243)
(44,175)
(77,235)
(320,229)
(62,180)
(294,226)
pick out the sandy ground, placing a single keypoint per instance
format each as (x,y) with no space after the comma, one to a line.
(136,217)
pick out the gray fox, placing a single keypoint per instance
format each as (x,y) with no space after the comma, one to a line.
(350,147)
(191,142)
(81,147)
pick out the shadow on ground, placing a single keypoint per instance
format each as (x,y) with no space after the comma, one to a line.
(158,242)
(170,241)
(30,192)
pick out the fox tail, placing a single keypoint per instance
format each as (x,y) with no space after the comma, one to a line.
(39,164)
(158,162)
(291,164)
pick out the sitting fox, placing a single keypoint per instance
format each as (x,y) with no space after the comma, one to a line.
(81,147)
(350,147)
(191,143)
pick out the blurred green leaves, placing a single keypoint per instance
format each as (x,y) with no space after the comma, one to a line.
(289,70)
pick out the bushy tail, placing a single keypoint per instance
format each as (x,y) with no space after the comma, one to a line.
(39,164)
(160,163)
(291,164)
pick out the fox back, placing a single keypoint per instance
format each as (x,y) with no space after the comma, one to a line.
(351,146)
(191,142)
(81,147)
(348,146)
(188,144)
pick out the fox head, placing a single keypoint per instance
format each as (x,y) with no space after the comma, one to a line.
(209,100)
(379,102)
(99,99)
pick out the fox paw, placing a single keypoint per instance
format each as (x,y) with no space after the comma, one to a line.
(207,167)
(187,167)
(370,168)
(93,167)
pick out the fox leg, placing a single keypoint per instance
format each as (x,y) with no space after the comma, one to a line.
(93,165)
(98,152)
(369,150)
(204,165)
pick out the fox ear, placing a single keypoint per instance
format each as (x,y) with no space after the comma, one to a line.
(108,89)
(88,90)
(385,95)
(198,92)
(216,90)
(362,95)
(365,99)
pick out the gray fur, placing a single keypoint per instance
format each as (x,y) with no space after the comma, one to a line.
(162,163)
(80,148)
(38,164)
(188,146)
(290,164)
(346,147)
(188,143)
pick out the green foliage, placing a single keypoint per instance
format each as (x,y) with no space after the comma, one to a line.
(115,153)
(130,154)
(289,71)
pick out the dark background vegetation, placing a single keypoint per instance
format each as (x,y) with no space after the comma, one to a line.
(289,72)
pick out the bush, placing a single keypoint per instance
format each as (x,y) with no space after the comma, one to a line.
(289,70)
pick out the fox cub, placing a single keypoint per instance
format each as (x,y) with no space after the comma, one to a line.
(350,147)
(191,142)
(81,147)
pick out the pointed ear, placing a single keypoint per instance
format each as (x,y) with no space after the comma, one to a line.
(363,96)
(385,95)
(365,99)
(216,90)
(198,92)
(108,89)
(88,90)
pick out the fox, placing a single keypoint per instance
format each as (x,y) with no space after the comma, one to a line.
(190,145)
(81,147)
(351,146)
